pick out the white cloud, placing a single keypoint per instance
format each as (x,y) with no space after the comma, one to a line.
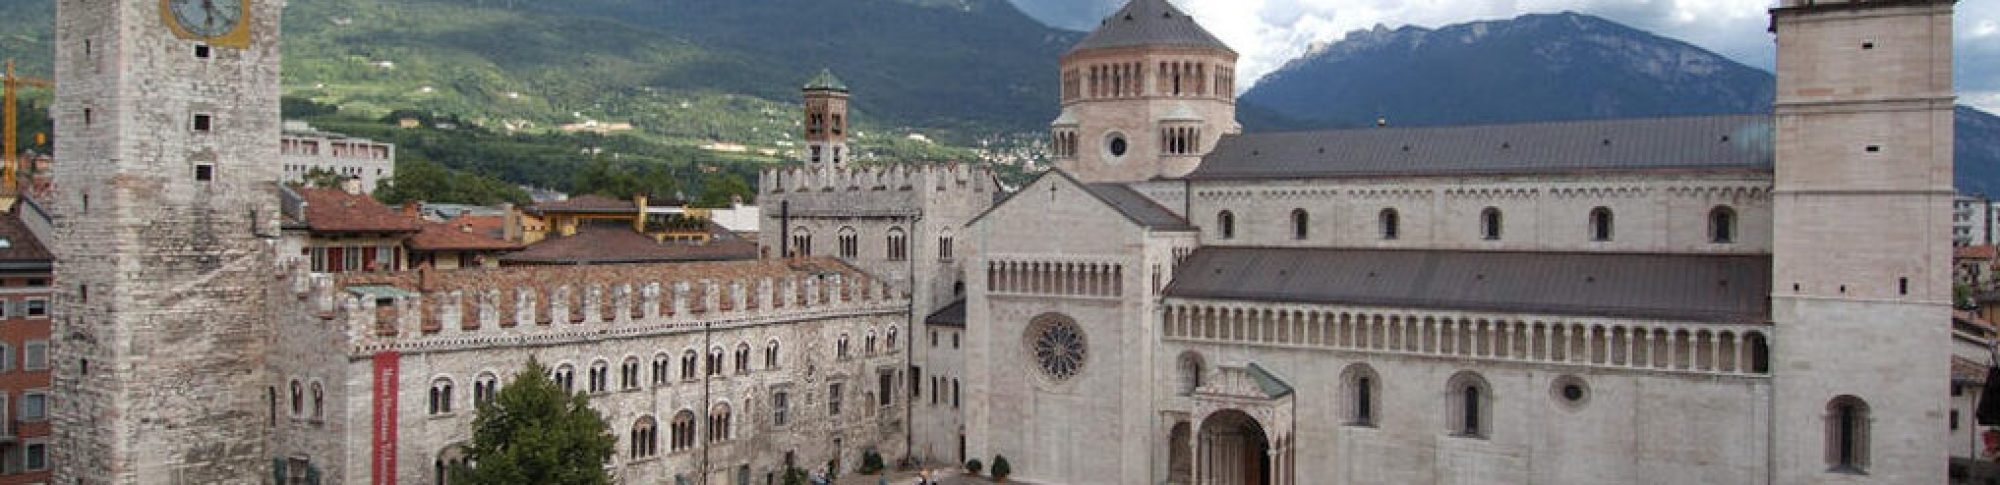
(1988,101)
(1270,32)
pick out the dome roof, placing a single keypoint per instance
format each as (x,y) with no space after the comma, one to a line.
(1149,23)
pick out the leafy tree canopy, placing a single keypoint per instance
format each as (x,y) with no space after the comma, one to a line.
(533,432)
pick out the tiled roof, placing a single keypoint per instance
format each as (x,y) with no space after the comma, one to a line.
(619,244)
(1694,143)
(1137,207)
(21,245)
(1149,23)
(464,233)
(1695,288)
(825,81)
(335,210)
(1973,252)
(588,203)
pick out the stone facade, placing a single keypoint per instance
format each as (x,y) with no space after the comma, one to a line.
(648,343)
(163,207)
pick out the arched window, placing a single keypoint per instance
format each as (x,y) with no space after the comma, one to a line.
(1225,222)
(1489,223)
(688,363)
(890,341)
(718,423)
(565,377)
(1471,404)
(600,376)
(850,243)
(628,374)
(298,399)
(742,357)
(662,366)
(1191,369)
(868,344)
(1301,224)
(1760,353)
(440,396)
(1362,398)
(1722,225)
(840,347)
(1391,224)
(802,242)
(1847,424)
(771,354)
(485,388)
(683,430)
(899,244)
(944,247)
(715,361)
(319,402)
(645,438)
(1600,224)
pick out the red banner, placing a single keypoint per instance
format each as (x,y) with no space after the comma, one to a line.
(387,366)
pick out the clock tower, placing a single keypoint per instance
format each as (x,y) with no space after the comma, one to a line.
(167,124)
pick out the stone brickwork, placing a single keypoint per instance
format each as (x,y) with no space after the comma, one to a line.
(163,202)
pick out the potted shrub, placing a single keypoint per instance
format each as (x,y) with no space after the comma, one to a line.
(1000,468)
(972,467)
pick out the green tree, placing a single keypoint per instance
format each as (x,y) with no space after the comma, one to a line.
(717,189)
(532,432)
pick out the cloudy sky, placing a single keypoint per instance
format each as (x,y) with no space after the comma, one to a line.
(1270,32)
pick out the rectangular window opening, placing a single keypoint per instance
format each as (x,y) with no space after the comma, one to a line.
(204,172)
(204,123)
(201,51)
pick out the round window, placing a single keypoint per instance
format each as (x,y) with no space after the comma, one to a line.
(1118,145)
(1571,392)
(1057,345)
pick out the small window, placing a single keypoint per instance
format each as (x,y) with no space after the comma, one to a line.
(36,457)
(440,402)
(1391,224)
(1471,406)
(201,51)
(35,355)
(1722,225)
(833,399)
(37,308)
(1301,224)
(1489,224)
(1225,223)
(87,117)
(204,172)
(204,123)
(34,406)
(1600,224)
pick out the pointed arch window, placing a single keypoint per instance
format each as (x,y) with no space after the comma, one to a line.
(1600,224)
(1722,225)
(1489,224)
(742,357)
(714,361)
(1391,224)
(849,241)
(771,355)
(899,244)
(1225,223)
(1301,224)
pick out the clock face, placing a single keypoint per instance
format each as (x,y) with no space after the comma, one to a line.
(206,18)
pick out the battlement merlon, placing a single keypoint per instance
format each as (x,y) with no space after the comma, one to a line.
(422,310)
(946,177)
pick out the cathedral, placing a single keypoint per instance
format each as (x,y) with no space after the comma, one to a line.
(1757,298)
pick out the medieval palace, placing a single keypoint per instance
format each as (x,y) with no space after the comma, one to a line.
(1747,299)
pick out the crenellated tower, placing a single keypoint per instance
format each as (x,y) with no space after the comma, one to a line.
(826,123)
(1143,97)
(1862,241)
(167,124)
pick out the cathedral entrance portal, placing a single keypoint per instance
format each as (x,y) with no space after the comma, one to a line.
(1234,450)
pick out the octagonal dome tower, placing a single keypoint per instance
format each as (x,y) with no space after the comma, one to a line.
(1144,96)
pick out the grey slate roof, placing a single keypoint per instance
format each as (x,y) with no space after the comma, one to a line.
(1697,288)
(1149,23)
(825,81)
(952,315)
(1138,208)
(1695,143)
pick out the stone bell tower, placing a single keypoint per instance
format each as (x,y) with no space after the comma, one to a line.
(1143,97)
(826,123)
(166,128)
(1862,241)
